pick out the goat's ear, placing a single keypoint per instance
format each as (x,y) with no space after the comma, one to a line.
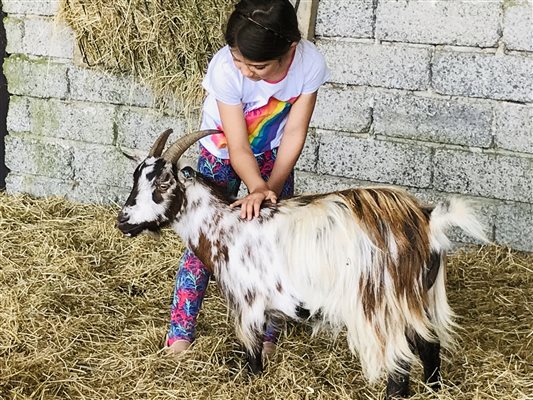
(188,173)
(133,155)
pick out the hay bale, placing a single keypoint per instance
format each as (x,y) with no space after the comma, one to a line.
(84,310)
(165,44)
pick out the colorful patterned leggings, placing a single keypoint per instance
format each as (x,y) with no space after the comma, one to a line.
(192,276)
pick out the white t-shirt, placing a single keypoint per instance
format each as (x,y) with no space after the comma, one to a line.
(266,105)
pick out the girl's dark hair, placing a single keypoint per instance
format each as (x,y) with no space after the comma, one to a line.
(262,29)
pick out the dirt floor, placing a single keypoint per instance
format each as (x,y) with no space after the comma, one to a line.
(83,312)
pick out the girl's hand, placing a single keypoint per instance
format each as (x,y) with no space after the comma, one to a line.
(251,204)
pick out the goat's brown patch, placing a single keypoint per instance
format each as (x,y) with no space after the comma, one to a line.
(432,269)
(306,199)
(204,253)
(216,219)
(393,215)
(178,203)
(371,290)
(268,211)
(222,257)
(250,296)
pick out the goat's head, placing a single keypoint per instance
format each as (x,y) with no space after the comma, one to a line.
(158,186)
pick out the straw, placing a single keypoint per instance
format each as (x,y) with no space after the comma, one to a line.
(165,44)
(83,312)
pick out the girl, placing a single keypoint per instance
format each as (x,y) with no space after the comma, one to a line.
(261,92)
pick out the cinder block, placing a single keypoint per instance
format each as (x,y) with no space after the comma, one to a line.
(44,36)
(14,33)
(513,127)
(345,18)
(514,225)
(487,175)
(466,23)
(312,183)
(99,194)
(18,115)
(35,77)
(374,160)
(343,108)
(102,87)
(87,122)
(457,121)
(137,128)
(30,7)
(388,65)
(82,192)
(38,186)
(517,25)
(102,165)
(33,155)
(502,77)
(309,157)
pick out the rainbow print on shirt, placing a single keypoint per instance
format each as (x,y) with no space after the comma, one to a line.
(263,124)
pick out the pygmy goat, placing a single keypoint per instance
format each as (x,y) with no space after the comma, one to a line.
(370,260)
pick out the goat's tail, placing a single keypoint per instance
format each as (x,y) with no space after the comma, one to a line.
(459,213)
(453,212)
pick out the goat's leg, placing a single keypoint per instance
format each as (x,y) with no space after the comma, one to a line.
(250,330)
(398,383)
(254,358)
(429,353)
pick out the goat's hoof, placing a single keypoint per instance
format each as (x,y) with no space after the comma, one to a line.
(397,388)
(434,386)
(255,363)
(255,370)
(397,395)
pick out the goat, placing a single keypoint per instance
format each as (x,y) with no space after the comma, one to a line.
(371,260)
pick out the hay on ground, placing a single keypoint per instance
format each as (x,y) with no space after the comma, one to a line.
(83,311)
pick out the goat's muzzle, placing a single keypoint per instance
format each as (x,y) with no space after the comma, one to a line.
(125,227)
(134,230)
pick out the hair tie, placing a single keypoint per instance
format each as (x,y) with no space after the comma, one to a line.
(262,26)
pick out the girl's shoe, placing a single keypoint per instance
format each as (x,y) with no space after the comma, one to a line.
(269,349)
(177,348)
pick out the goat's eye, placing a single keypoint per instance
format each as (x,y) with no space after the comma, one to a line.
(163,186)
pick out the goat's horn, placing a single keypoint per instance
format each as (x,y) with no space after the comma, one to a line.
(174,152)
(159,144)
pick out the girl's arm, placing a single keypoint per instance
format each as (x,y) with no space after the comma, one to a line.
(243,161)
(293,140)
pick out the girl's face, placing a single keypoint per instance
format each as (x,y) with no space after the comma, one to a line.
(271,70)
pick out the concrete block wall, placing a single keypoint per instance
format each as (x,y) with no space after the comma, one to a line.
(435,97)
(69,125)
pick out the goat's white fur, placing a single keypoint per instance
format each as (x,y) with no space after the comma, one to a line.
(318,253)
(320,271)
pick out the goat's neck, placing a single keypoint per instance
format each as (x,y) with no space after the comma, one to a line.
(203,220)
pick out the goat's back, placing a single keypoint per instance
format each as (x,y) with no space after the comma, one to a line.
(358,258)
